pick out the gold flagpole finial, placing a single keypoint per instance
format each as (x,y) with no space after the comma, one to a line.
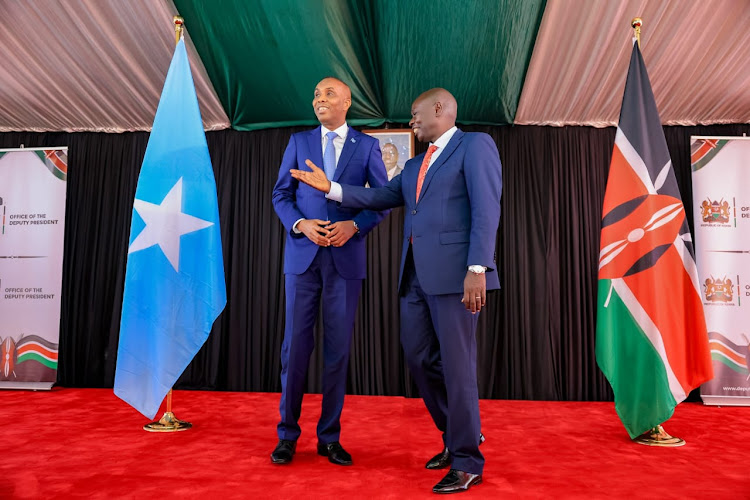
(178,24)
(636,23)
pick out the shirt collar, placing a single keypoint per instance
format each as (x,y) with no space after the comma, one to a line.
(444,139)
(341,131)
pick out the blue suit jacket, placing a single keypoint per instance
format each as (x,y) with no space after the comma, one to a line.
(455,222)
(360,162)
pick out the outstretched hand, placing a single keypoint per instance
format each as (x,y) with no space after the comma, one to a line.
(316,178)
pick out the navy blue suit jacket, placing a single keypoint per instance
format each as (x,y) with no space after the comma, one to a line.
(360,162)
(454,223)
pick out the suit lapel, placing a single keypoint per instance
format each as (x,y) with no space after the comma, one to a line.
(315,148)
(444,155)
(351,142)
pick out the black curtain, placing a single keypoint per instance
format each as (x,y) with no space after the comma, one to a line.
(536,337)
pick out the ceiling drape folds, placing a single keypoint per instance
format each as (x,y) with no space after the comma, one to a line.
(264,57)
(100,65)
(697,55)
(91,65)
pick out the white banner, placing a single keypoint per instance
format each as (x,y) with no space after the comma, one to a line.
(721,206)
(32,216)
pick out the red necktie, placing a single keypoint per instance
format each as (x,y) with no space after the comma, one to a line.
(423,168)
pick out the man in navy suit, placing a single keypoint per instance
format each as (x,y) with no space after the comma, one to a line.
(451,196)
(324,257)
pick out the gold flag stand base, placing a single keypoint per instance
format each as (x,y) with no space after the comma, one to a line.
(657,436)
(168,423)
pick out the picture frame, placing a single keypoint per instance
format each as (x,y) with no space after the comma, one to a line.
(396,146)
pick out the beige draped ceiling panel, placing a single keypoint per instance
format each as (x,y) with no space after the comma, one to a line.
(91,65)
(697,54)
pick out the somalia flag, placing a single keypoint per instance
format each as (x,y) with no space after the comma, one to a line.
(651,340)
(174,281)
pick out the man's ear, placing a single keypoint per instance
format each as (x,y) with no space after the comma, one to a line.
(438,108)
(348,103)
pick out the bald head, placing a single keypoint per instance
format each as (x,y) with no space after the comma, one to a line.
(433,113)
(331,101)
(445,99)
(333,81)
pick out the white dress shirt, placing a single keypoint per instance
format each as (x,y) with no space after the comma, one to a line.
(441,142)
(336,193)
(338,142)
(338,146)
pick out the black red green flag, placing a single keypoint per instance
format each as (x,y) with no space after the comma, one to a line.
(651,340)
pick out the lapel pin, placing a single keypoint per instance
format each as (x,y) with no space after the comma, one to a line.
(353,140)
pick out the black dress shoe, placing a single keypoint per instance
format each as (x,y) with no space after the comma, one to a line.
(284,451)
(440,461)
(443,459)
(335,453)
(456,481)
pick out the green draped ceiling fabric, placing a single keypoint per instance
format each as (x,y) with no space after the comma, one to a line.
(264,57)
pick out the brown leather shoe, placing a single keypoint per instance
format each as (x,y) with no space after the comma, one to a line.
(284,451)
(443,459)
(335,452)
(456,481)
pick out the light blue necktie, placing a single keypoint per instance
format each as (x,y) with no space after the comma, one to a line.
(329,156)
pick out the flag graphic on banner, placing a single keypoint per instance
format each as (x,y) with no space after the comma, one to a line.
(734,356)
(56,161)
(702,151)
(29,358)
(174,281)
(651,340)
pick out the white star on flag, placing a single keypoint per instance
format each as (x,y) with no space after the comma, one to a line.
(165,224)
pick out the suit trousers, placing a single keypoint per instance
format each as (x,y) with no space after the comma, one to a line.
(438,335)
(340,298)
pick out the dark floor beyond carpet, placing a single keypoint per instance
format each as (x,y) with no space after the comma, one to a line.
(86,443)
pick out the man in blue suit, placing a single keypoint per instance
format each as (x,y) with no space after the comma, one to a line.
(324,257)
(451,196)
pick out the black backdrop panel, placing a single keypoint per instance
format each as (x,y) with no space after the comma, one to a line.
(536,337)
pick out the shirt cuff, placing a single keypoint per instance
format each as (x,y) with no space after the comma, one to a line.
(336,193)
(294,227)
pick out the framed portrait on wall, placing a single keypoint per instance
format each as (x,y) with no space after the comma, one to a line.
(396,145)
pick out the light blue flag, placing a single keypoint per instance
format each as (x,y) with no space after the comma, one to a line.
(174,282)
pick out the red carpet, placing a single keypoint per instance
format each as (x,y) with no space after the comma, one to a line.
(86,443)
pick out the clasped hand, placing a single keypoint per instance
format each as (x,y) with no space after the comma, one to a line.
(324,234)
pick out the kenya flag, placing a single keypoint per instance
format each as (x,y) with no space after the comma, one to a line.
(651,340)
